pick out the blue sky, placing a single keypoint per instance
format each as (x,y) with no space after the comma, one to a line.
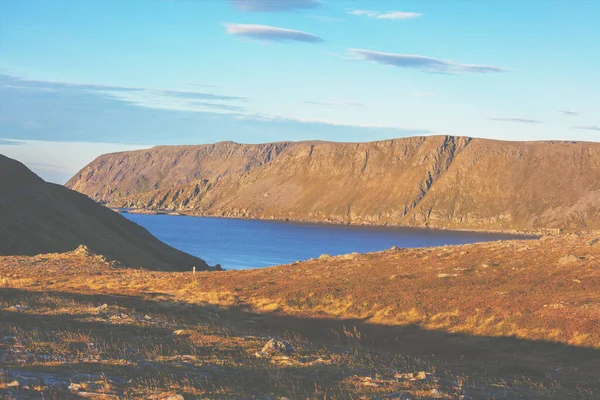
(107,76)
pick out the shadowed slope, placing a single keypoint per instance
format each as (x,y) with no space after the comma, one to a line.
(438,181)
(506,320)
(38,217)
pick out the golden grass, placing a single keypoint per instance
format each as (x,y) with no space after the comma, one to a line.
(514,318)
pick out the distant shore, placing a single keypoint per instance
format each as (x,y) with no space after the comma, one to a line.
(534,233)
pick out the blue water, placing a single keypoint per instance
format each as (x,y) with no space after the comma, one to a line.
(242,244)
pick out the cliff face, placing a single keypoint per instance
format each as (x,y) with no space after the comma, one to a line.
(437,181)
(38,217)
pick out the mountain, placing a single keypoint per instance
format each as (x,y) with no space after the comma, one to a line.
(38,217)
(435,181)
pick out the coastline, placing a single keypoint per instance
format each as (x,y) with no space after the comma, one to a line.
(517,233)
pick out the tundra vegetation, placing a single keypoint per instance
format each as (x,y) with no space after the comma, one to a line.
(509,319)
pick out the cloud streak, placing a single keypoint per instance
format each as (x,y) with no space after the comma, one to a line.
(427,64)
(169,99)
(385,15)
(334,102)
(207,85)
(271,33)
(81,112)
(569,113)
(588,127)
(519,120)
(274,5)
(8,142)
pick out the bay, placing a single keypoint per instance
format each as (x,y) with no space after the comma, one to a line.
(243,244)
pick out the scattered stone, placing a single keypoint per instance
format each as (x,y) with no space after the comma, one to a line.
(594,242)
(75,387)
(324,256)
(414,376)
(91,395)
(18,307)
(182,333)
(103,307)
(173,397)
(446,275)
(147,318)
(82,250)
(370,383)
(166,396)
(568,259)
(274,346)
(13,384)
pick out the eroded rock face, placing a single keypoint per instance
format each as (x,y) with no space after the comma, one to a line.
(437,181)
(38,217)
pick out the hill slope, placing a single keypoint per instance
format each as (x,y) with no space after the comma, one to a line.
(38,217)
(502,320)
(437,181)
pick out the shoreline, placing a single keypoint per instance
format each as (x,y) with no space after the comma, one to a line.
(533,233)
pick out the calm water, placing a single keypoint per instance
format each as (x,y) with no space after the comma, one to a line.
(241,244)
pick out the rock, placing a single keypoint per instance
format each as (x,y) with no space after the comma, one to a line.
(182,333)
(18,307)
(99,396)
(82,250)
(75,387)
(568,259)
(414,376)
(103,307)
(442,275)
(173,397)
(166,396)
(13,384)
(277,346)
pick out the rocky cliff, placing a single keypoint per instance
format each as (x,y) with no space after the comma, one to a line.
(38,217)
(436,181)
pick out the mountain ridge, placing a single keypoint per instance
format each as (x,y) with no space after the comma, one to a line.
(444,182)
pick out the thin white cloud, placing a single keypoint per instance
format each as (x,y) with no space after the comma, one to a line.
(588,127)
(427,64)
(278,118)
(207,85)
(176,100)
(317,103)
(274,5)
(569,113)
(385,15)
(271,33)
(166,99)
(10,142)
(335,102)
(519,120)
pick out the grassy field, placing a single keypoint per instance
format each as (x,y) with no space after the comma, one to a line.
(503,320)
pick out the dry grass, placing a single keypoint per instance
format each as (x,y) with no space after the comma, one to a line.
(515,319)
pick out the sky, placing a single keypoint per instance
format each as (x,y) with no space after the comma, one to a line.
(82,78)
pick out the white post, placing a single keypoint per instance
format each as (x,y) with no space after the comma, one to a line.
(194,269)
